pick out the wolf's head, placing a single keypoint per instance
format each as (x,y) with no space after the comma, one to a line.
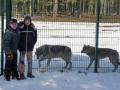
(41,52)
(87,49)
(38,52)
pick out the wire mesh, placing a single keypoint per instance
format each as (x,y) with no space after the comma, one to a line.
(73,24)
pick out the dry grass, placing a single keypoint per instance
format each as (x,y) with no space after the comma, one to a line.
(83,18)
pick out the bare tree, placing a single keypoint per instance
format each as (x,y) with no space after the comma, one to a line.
(55,8)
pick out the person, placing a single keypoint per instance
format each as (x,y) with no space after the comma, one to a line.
(10,43)
(27,41)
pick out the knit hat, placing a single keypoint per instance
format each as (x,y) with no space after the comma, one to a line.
(27,18)
(13,21)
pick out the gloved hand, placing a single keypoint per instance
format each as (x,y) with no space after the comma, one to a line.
(9,56)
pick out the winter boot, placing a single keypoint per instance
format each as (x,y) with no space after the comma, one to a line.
(7,75)
(18,78)
(15,74)
(22,77)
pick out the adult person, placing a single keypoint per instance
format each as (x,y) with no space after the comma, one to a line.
(27,41)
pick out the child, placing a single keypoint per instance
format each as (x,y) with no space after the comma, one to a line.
(10,42)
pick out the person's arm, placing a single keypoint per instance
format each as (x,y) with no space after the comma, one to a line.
(7,38)
(35,33)
(21,25)
(7,41)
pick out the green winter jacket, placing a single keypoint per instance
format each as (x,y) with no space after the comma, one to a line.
(11,41)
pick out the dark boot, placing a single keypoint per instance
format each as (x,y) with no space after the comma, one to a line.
(17,78)
(7,75)
(22,77)
(30,75)
(15,74)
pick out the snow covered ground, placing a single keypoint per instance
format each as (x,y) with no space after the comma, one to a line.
(65,81)
(74,35)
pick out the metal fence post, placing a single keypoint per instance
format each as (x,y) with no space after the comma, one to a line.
(8,11)
(8,17)
(97,34)
(2,31)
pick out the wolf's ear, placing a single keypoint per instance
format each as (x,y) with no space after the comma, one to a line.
(88,45)
(84,45)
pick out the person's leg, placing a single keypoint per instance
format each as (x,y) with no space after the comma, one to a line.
(14,67)
(29,59)
(21,65)
(7,72)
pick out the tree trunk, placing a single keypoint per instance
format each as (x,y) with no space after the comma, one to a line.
(118,6)
(78,8)
(55,8)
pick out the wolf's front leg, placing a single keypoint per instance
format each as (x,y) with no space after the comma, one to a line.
(70,65)
(39,62)
(45,68)
(115,68)
(66,64)
(91,61)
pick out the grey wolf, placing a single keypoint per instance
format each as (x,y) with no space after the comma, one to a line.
(54,51)
(102,53)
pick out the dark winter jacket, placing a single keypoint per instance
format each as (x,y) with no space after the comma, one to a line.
(28,38)
(11,40)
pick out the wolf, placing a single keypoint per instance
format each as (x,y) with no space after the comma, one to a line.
(102,53)
(54,51)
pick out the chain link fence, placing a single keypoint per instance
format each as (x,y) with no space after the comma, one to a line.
(72,23)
